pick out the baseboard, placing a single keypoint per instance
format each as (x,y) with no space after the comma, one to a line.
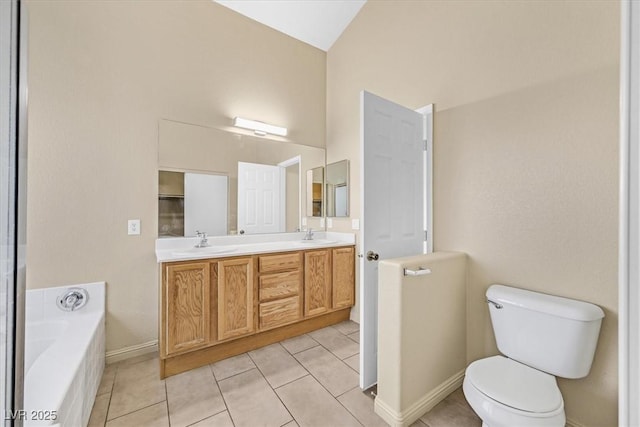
(572,423)
(422,406)
(133,351)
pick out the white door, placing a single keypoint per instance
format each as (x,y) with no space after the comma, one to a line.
(261,206)
(205,204)
(392,206)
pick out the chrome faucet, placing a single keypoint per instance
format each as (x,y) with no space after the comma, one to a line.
(203,239)
(308,235)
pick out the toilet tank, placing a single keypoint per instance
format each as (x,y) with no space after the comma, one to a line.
(553,334)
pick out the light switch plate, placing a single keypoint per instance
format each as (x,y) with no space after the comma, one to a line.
(133,227)
(321,222)
(304,220)
(355,224)
(329,222)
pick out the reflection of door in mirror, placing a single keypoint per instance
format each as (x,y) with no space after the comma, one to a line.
(315,183)
(192,201)
(261,201)
(337,193)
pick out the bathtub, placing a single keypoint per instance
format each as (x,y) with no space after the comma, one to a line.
(64,357)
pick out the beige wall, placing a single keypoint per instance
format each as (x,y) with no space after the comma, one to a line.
(101,76)
(525,148)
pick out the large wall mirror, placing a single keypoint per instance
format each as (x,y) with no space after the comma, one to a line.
(224,183)
(337,189)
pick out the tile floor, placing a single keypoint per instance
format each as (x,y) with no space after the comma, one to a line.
(310,380)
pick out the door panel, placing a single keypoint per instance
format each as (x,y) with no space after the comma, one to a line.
(392,205)
(317,282)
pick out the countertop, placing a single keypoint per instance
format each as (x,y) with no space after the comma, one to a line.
(183,248)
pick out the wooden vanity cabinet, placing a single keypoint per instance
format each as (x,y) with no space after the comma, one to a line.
(343,277)
(220,307)
(317,282)
(235,302)
(186,302)
(280,289)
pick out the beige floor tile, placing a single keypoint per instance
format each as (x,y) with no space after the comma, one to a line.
(291,424)
(252,402)
(135,371)
(277,365)
(355,336)
(361,407)
(335,342)
(234,365)
(451,414)
(311,405)
(332,373)
(418,423)
(219,420)
(151,416)
(353,362)
(99,411)
(347,327)
(136,386)
(299,343)
(192,396)
(106,382)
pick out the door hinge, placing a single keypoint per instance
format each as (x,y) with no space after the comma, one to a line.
(426,145)
(426,235)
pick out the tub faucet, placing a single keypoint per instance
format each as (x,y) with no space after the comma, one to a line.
(308,235)
(203,239)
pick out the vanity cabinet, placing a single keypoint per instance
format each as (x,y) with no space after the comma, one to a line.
(317,282)
(187,306)
(216,308)
(343,277)
(280,289)
(234,283)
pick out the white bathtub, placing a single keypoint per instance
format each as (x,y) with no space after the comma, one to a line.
(64,357)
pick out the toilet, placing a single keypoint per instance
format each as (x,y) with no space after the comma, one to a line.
(541,337)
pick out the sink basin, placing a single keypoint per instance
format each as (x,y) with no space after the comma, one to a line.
(316,242)
(207,250)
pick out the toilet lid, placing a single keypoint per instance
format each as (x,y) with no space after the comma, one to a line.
(514,384)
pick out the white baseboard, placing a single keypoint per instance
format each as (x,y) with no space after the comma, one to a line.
(422,406)
(133,351)
(572,423)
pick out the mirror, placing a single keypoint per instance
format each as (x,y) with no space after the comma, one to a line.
(187,149)
(337,189)
(315,183)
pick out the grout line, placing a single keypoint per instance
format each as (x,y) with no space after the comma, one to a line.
(166,399)
(222,396)
(208,416)
(139,409)
(292,381)
(273,390)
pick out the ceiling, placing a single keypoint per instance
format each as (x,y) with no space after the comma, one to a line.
(316,22)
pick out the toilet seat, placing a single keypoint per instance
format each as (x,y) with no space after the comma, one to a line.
(505,393)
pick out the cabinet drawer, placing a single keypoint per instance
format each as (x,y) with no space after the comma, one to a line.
(280,285)
(280,262)
(279,312)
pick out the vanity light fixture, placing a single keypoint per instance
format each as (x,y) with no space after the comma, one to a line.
(259,128)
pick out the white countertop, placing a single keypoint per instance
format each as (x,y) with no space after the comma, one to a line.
(183,248)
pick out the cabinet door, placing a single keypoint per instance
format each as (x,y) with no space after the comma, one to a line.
(317,282)
(235,298)
(187,306)
(343,280)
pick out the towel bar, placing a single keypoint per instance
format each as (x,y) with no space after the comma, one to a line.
(421,271)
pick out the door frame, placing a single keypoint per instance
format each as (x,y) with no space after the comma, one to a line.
(629,220)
